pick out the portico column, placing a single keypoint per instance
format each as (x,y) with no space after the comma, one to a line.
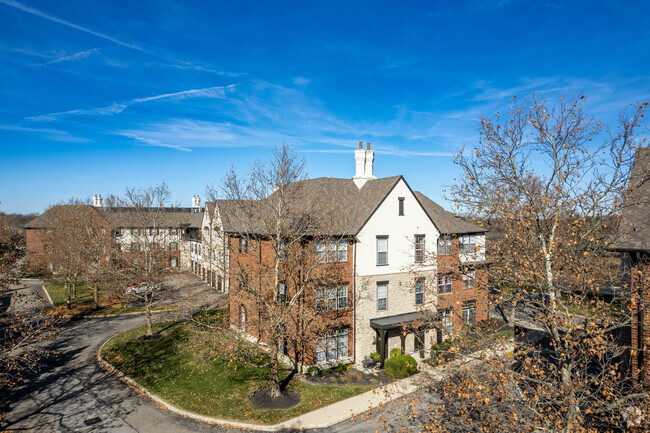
(383,347)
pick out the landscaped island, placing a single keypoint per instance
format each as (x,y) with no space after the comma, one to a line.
(191,369)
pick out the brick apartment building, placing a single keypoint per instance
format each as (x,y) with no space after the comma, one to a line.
(407,272)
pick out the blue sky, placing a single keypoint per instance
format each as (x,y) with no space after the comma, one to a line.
(97,95)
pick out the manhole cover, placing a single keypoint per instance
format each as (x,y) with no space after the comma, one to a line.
(92,421)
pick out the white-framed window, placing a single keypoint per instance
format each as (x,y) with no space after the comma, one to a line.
(332,346)
(469,279)
(331,251)
(419,248)
(447,321)
(243,245)
(444,245)
(419,291)
(173,231)
(282,293)
(242,318)
(332,298)
(173,246)
(382,296)
(382,250)
(444,284)
(173,262)
(469,313)
(282,253)
(467,244)
(135,231)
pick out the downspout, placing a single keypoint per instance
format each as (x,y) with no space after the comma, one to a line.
(354,297)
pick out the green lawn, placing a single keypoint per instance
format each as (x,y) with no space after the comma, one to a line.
(83,304)
(59,294)
(191,371)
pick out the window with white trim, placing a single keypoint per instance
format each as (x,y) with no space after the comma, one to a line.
(419,248)
(382,296)
(469,313)
(282,293)
(444,284)
(243,245)
(447,321)
(444,245)
(333,298)
(382,250)
(467,244)
(419,291)
(332,346)
(469,279)
(331,251)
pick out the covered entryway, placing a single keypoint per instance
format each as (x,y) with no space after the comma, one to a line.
(400,325)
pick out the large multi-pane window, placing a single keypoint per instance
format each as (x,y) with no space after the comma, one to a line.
(419,291)
(444,284)
(382,296)
(467,244)
(446,320)
(469,313)
(419,248)
(382,250)
(444,245)
(333,298)
(243,246)
(282,293)
(332,346)
(469,279)
(331,251)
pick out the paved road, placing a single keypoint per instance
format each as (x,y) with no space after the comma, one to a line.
(26,296)
(74,394)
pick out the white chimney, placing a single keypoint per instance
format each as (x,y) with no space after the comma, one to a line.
(100,201)
(97,201)
(364,165)
(196,203)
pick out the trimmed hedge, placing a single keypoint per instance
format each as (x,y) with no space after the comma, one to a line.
(394,353)
(400,366)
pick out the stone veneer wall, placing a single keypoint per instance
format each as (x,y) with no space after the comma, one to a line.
(401,299)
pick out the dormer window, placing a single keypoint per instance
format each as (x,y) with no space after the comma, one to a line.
(400,201)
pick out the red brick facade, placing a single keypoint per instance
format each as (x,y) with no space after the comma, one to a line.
(304,323)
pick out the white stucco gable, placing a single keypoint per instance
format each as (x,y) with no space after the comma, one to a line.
(400,231)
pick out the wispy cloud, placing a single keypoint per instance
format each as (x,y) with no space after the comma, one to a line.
(49,133)
(70,57)
(301,81)
(49,17)
(115,108)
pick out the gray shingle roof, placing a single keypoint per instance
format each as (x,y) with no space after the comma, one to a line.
(46,218)
(125,217)
(446,222)
(634,228)
(337,205)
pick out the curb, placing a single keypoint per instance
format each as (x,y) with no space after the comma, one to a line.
(383,394)
(47,295)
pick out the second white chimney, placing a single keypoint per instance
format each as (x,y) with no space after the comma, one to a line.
(364,160)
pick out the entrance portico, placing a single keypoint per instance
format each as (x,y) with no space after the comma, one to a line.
(401,325)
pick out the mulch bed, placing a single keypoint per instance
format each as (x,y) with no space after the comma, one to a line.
(351,377)
(288,399)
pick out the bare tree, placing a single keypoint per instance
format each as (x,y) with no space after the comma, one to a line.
(146,256)
(551,179)
(21,332)
(274,268)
